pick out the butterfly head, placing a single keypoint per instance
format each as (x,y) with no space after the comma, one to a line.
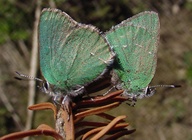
(146,92)
(150,90)
(45,86)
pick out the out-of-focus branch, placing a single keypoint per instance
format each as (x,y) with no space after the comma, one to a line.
(10,108)
(33,65)
(52,4)
(23,48)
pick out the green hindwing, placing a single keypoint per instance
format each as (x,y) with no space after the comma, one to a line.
(135,43)
(71,53)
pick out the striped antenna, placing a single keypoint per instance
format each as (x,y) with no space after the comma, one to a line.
(21,76)
(168,86)
(150,90)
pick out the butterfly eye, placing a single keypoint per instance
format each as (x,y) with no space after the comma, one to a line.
(149,91)
(46,86)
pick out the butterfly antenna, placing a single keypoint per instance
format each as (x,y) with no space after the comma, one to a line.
(26,77)
(150,90)
(168,86)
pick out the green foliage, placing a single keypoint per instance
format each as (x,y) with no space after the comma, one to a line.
(13,23)
(102,14)
(188,5)
(2,121)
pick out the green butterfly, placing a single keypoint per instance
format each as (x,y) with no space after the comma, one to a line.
(72,56)
(135,43)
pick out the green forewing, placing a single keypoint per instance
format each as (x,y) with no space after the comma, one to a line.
(135,43)
(70,53)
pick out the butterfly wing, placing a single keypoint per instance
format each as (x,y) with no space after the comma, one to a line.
(71,53)
(135,42)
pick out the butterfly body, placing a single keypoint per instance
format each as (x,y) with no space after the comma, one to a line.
(135,43)
(72,54)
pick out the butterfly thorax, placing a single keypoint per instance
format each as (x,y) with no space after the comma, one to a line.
(140,93)
(58,93)
(132,93)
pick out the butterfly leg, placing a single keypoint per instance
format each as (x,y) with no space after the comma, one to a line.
(67,100)
(132,100)
(66,104)
(113,87)
(57,100)
(78,92)
(108,62)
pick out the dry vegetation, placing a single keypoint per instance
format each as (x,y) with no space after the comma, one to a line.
(166,115)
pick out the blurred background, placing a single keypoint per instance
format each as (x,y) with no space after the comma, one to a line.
(165,116)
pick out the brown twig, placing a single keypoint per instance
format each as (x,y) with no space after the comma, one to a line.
(65,123)
(95,110)
(43,106)
(108,127)
(45,130)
